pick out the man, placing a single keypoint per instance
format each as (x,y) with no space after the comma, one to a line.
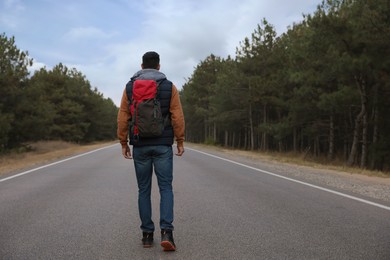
(154,152)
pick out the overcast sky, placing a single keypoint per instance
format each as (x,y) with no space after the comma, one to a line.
(105,39)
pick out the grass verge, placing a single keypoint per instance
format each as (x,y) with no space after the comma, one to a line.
(43,152)
(298,159)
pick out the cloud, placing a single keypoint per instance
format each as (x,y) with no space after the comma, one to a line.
(13,5)
(36,66)
(86,33)
(10,12)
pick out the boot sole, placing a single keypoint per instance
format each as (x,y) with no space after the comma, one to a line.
(168,246)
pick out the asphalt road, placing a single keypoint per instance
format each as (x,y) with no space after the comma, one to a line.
(86,208)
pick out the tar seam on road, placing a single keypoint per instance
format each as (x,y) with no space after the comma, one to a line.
(296,181)
(54,163)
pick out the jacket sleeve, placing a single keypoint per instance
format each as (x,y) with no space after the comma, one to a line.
(177,117)
(123,119)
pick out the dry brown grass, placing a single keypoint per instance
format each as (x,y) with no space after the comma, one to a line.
(324,163)
(42,152)
(298,159)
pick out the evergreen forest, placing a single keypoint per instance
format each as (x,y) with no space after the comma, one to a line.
(57,104)
(321,89)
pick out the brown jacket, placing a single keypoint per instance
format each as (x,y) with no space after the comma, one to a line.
(177,118)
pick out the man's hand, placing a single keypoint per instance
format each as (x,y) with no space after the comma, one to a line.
(126,152)
(180,151)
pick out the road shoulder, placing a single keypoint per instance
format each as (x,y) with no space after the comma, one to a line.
(372,187)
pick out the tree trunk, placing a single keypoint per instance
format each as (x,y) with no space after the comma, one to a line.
(375,131)
(264,140)
(215,133)
(358,122)
(239,140)
(375,134)
(205,130)
(331,138)
(295,141)
(226,138)
(363,162)
(251,129)
(355,140)
(316,146)
(346,143)
(245,140)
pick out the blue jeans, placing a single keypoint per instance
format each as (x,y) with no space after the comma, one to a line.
(159,157)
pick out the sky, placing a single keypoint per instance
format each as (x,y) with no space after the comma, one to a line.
(105,39)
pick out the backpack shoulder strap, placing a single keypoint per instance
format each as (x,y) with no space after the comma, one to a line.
(158,87)
(129,91)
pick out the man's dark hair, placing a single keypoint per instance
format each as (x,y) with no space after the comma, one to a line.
(151,60)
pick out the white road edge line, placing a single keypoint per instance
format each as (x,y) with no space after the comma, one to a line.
(300,182)
(54,163)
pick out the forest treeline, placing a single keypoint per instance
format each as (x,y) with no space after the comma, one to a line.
(56,104)
(322,88)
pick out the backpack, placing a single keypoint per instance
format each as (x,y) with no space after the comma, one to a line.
(145,109)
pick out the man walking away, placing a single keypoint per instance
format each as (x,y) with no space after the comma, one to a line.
(152,149)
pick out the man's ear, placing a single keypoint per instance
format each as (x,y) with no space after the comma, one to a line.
(142,66)
(158,67)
